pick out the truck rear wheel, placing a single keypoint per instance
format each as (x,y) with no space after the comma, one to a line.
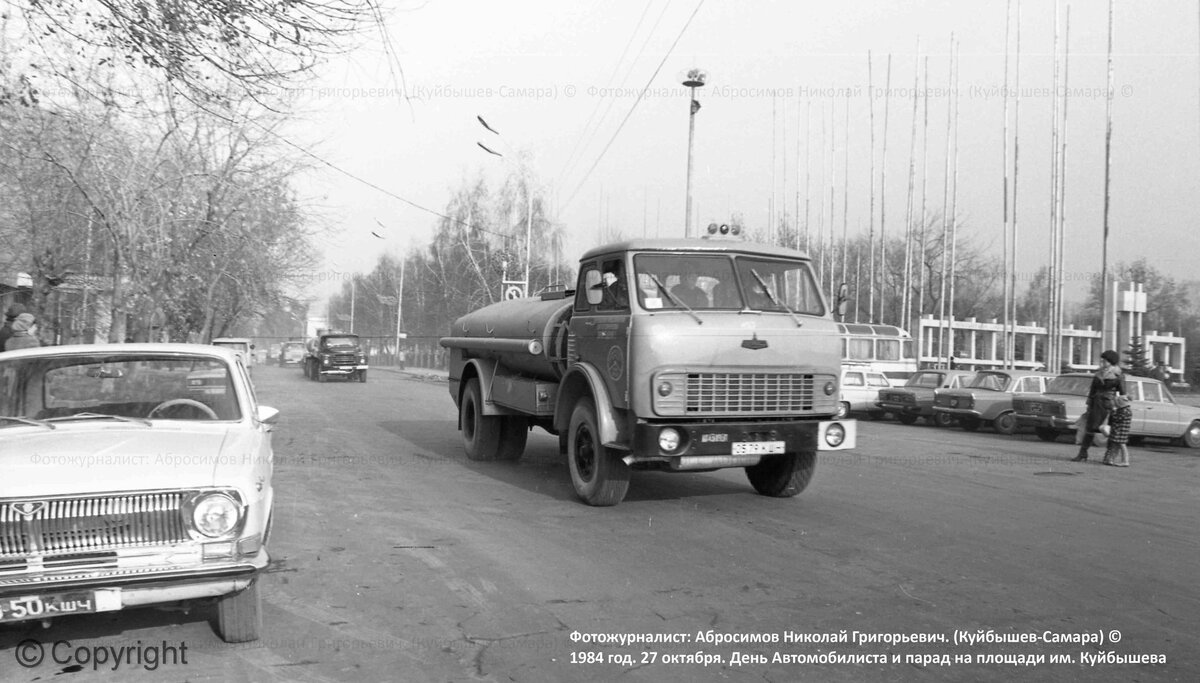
(481,433)
(782,476)
(599,476)
(514,432)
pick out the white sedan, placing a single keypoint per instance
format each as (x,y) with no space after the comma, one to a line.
(133,474)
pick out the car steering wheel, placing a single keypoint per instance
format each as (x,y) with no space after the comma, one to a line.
(212,415)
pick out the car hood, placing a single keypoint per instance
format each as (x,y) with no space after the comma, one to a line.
(79,458)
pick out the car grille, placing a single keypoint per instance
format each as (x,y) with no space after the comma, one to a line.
(716,393)
(84,525)
(897,398)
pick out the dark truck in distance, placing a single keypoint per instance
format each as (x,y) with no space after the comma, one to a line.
(335,353)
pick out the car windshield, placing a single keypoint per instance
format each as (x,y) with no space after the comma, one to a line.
(925,379)
(90,386)
(726,282)
(341,342)
(992,381)
(1076,386)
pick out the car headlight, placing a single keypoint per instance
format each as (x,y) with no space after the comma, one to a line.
(835,434)
(669,439)
(216,514)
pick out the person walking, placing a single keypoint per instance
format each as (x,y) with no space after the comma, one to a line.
(9,316)
(24,334)
(1107,384)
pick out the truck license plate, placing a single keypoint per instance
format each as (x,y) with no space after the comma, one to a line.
(55,604)
(757,447)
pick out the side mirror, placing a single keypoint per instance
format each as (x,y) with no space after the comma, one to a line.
(268,415)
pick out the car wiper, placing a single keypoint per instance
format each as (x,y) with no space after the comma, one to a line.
(102,416)
(674,300)
(28,421)
(771,295)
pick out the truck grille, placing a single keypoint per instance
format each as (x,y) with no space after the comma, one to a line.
(749,393)
(343,359)
(83,525)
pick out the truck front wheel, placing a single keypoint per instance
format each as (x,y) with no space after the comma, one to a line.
(481,433)
(782,476)
(600,477)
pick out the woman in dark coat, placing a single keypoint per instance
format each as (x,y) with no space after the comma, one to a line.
(1107,384)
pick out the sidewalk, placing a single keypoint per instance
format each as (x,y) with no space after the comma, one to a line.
(418,373)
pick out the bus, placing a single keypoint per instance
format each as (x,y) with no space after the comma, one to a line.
(885,348)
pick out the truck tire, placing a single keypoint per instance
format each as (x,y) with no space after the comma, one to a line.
(514,432)
(481,433)
(782,476)
(321,377)
(600,477)
(362,376)
(239,616)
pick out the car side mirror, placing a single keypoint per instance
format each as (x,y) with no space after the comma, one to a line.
(268,415)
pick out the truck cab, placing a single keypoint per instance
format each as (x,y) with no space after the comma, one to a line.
(335,354)
(678,355)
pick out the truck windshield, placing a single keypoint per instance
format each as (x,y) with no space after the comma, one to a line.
(341,342)
(726,282)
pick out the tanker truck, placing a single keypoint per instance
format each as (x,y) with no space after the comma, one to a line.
(682,355)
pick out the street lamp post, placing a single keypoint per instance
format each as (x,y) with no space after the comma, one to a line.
(695,79)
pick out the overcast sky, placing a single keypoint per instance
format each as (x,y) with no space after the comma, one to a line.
(539,72)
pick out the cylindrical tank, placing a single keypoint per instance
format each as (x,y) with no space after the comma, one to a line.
(504,331)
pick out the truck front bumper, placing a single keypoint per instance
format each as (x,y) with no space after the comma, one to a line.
(341,369)
(712,445)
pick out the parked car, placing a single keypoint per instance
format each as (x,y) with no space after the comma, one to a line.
(915,399)
(291,353)
(860,391)
(273,353)
(1156,413)
(133,474)
(240,345)
(988,397)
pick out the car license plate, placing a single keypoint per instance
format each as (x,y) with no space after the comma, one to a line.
(57,604)
(757,447)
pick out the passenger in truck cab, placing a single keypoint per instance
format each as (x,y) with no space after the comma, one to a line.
(689,292)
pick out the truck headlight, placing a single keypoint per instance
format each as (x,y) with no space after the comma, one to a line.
(669,439)
(215,515)
(835,434)
(830,387)
(665,389)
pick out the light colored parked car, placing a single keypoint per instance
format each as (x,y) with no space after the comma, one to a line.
(291,353)
(860,391)
(915,399)
(988,397)
(130,475)
(240,345)
(1156,413)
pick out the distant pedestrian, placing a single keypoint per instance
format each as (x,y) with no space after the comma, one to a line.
(9,316)
(1107,384)
(24,334)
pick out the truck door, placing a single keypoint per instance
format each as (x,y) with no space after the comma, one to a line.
(600,324)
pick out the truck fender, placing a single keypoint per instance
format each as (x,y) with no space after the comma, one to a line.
(583,380)
(485,370)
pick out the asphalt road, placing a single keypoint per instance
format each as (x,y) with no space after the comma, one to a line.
(927,554)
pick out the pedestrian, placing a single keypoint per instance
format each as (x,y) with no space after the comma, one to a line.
(9,316)
(1117,452)
(24,334)
(1107,384)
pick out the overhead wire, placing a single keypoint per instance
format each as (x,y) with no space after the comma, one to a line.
(640,97)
